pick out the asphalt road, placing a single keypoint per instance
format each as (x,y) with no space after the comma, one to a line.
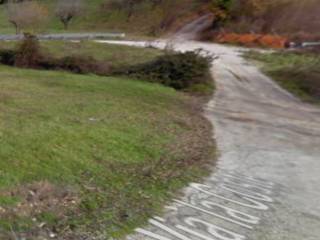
(266,184)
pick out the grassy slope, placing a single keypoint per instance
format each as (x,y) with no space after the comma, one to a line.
(297,72)
(118,148)
(109,134)
(144,22)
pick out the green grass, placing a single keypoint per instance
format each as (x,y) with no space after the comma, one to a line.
(119,147)
(297,72)
(86,23)
(5,27)
(117,55)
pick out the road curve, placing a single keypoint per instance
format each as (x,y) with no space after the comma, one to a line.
(266,184)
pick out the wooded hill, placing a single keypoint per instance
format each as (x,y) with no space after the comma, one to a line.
(156,17)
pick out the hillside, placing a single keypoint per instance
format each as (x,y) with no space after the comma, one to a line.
(144,18)
(92,157)
(98,137)
(293,18)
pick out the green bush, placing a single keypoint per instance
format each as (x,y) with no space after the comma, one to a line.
(177,70)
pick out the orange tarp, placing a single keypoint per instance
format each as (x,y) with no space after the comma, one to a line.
(250,40)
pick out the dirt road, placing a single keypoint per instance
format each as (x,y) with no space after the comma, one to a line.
(266,185)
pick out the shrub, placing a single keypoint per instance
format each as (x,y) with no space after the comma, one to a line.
(84,65)
(188,71)
(77,64)
(28,55)
(28,52)
(7,57)
(177,70)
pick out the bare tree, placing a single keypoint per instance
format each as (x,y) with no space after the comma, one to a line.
(67,10)
(130,6)
(127,6)
(27,15)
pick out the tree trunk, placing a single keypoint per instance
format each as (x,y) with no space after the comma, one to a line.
(15,26)
(65,24)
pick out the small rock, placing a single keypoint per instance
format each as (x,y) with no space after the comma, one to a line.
(52,235)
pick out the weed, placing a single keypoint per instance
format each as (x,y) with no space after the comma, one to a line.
(298,72)
(28,52)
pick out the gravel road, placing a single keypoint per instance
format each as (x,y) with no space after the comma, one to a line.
(266,184)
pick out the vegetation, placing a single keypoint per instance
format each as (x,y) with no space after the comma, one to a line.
(298,72)
(139,17)
(285,17)
(293,18)
(27,15)
(67,10)
(114,155)
(94,156)
(185,71)
(117,56)
(28,53)
(221,10)
(182,71)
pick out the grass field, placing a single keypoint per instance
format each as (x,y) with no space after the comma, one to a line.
(87,156)
(116,55)
(297,72)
